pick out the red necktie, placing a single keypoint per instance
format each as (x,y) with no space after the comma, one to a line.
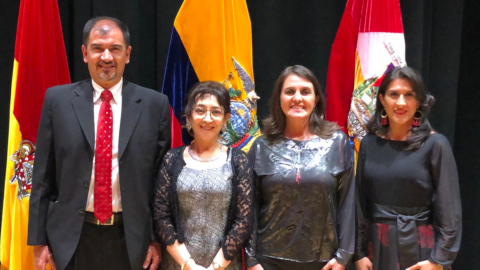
(102,195)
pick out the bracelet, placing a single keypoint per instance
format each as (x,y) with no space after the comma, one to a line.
(186,261)
(217,266)
(439,266)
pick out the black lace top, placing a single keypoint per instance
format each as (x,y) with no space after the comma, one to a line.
(240,213)
(305,208)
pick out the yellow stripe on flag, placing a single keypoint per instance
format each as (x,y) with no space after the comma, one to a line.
(14,254)
(358,71)
(223,29)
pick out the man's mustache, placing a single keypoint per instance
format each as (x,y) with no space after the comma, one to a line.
(107,63)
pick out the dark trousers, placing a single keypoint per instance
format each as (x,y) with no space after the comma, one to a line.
(278,264)
(100,248)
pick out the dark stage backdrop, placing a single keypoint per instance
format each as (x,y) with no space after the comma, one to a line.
(441,38)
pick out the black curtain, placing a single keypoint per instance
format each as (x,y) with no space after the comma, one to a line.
(442,38)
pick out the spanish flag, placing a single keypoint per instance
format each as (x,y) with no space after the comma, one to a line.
(40,62)
(212,40)
(369,42)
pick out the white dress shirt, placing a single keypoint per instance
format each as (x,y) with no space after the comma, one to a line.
(116,103)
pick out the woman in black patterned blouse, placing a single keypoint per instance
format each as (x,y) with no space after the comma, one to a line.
(203,200)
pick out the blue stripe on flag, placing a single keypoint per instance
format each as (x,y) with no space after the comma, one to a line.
(179,77)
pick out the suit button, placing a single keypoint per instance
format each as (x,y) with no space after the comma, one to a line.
(81,211)
(86,183)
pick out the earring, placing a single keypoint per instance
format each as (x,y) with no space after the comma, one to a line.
(224,128)
(417,118)
(384,120)
(188,126)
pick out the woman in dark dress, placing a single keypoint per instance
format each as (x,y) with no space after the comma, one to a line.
(305,207)
(409,201)
(203,200)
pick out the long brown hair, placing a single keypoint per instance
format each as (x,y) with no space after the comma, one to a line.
(274,125)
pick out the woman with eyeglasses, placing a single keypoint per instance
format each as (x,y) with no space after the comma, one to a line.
(203,199)
(305,208)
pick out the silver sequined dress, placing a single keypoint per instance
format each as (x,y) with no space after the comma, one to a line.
(204,198)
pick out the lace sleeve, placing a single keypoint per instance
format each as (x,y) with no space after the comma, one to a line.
(250,246)
(162,213)
(243,222)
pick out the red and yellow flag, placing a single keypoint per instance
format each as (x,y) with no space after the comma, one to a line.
(40,62)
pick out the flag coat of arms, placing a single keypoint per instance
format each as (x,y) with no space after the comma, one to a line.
(212,40)
(39,62)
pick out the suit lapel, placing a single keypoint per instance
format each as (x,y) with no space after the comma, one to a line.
(83,107)
(131,110)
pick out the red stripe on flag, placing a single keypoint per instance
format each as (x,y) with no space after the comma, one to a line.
(176,130)
(341,66)
(42,61)
(381,16)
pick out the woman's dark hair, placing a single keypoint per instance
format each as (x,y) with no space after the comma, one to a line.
(426,101)
(274,125)
(206,89)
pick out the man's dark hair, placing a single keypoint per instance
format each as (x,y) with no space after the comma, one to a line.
(91,23)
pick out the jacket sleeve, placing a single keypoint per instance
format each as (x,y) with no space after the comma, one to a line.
(164,134)
(43,179)
(163,145)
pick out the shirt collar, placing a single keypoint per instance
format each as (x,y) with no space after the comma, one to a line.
(116,90)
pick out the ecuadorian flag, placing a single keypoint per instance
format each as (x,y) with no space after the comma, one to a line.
(212,40)
(369,42)
(40,62)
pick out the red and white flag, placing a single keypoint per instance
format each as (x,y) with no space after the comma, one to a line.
(368,43)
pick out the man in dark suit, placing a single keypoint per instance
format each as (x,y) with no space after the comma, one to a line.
(99,146)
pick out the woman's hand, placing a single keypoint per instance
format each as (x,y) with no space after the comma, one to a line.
(425,265)
(363,264)
(333,265)
(256,267)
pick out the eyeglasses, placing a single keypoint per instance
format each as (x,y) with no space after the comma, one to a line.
(216,112)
